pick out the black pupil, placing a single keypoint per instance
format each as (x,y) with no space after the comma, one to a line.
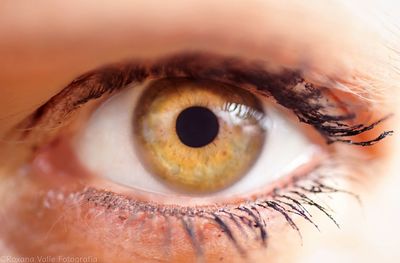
(197,126)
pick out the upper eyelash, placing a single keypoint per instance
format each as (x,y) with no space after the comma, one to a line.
(288,88)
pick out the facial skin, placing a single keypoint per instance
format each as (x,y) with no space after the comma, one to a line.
(45,46)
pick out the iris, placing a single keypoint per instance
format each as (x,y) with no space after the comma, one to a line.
(198,136)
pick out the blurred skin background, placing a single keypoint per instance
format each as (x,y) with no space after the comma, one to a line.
(46,44)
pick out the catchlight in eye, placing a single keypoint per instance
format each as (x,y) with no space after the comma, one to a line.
(198,136)
(179,135)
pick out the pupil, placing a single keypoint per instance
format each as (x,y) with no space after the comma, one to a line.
(197,126)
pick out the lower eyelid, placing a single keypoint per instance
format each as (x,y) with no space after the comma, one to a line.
(91,215)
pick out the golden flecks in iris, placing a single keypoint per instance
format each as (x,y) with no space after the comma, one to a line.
(205,169)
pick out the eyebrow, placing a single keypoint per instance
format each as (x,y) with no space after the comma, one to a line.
(310,103)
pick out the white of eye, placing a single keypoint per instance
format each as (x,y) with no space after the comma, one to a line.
(106,147)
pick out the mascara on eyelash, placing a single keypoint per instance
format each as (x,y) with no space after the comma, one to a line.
(289,89)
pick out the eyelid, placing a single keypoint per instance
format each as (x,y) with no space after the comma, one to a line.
(109,79)
(288,88)
(129,33)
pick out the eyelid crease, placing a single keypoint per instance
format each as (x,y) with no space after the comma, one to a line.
(289,89)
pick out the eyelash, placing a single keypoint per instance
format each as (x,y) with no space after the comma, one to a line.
(294,199)
(308,102)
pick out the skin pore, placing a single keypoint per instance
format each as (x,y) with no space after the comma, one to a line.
(47,45)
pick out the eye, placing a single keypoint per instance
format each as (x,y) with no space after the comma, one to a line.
(193,136)
(189,156)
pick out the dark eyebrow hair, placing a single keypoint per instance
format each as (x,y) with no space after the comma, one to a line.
(287,87)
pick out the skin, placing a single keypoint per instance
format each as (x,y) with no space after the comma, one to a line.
(46,46)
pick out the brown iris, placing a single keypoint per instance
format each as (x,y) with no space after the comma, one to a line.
(198,136)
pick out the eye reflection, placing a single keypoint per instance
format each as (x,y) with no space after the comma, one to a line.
(107,207)
(187,135)
(139,132)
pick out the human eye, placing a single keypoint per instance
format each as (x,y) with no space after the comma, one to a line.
(209,131)
(116,159)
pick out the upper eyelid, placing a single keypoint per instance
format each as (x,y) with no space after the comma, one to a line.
(286,86)
(109,79)
(263,42)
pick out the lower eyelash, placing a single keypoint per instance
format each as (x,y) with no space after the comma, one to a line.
(236,222)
